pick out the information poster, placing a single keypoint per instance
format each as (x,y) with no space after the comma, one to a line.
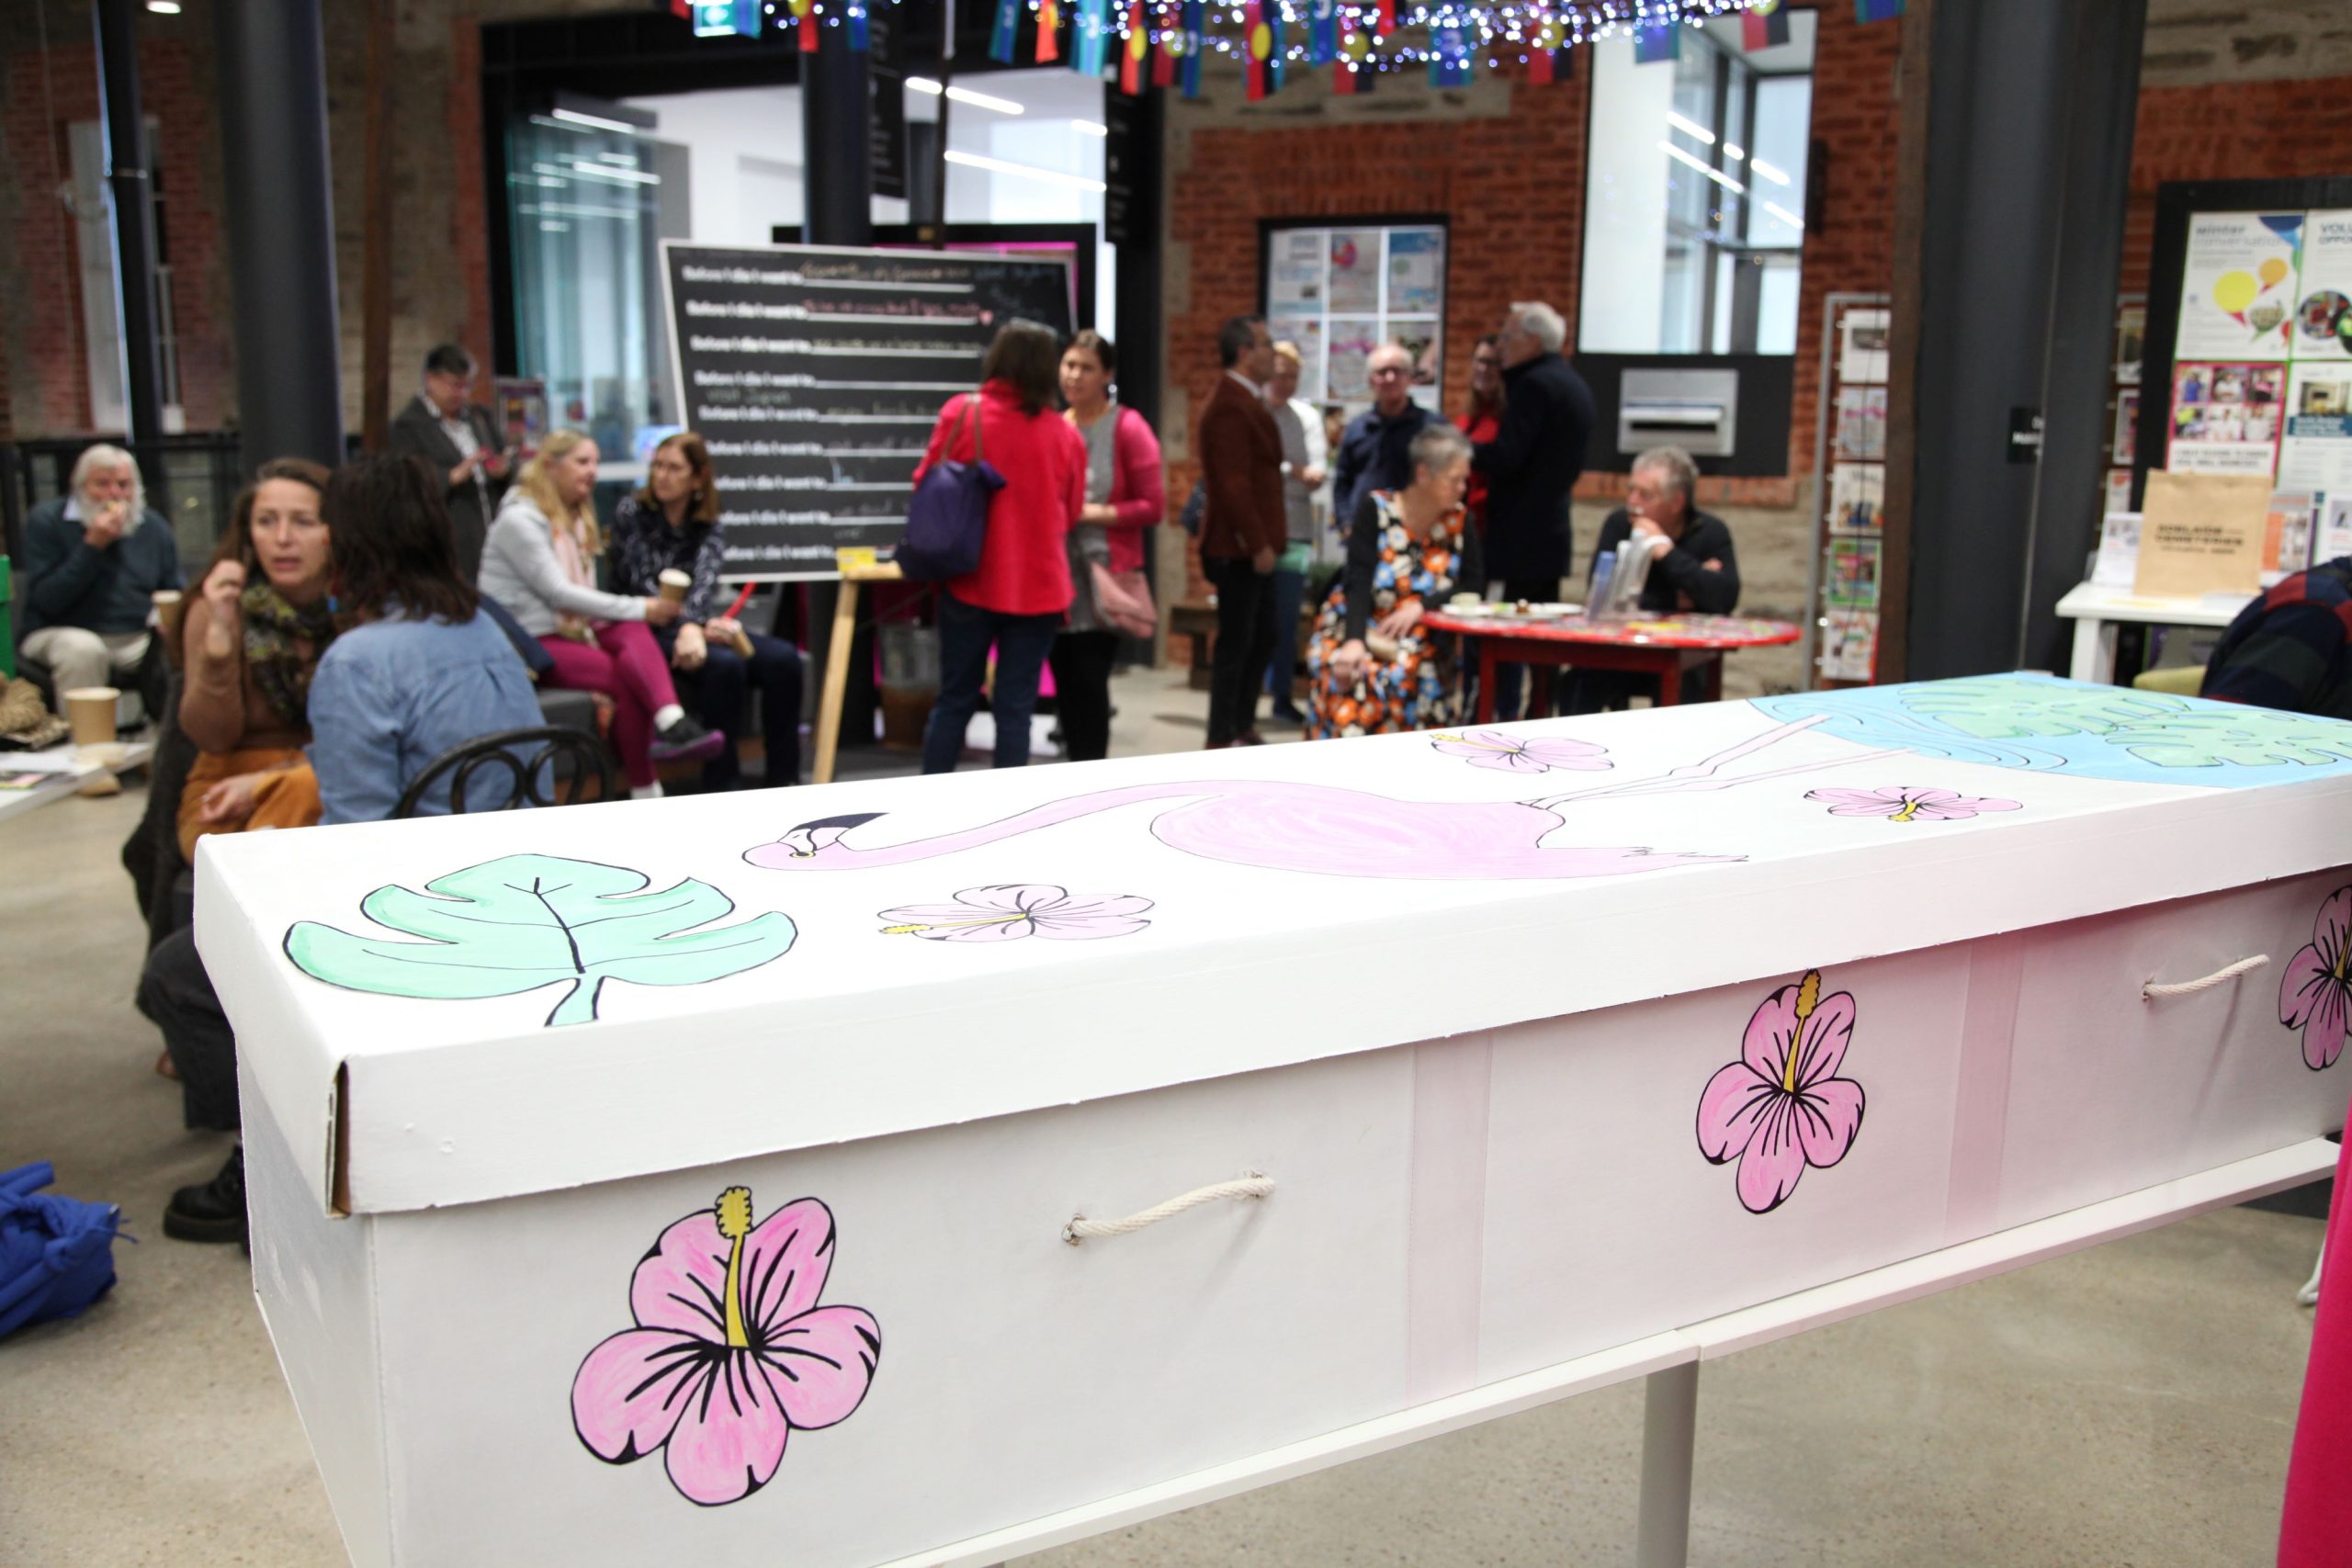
(2316,453)
(1850,644)
(816,375)
(2225,418)
(1355,269)
(2323,313)
(2334,529)
(1861,345)
(1862,422)
(1416,271)
(2127,427)
(2286,539)
(2239,285)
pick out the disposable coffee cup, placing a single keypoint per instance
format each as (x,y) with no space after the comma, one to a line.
(674,584)
(89,710)
(171,605)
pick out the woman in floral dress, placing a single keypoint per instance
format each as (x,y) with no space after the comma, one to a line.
(1375,671)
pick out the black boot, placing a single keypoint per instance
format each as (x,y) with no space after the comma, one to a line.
(214,1211)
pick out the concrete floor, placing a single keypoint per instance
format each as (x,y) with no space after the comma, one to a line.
(2128,1406)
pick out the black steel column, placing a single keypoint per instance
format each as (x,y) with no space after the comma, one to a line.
(2014,301)
(281,229)
(838,178)
(2096,166)
(128,183)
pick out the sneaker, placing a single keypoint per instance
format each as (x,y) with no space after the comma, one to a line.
(214,1211)
(684,740)
(1287,717)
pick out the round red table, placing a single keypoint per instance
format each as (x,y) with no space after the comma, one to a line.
(1663,646)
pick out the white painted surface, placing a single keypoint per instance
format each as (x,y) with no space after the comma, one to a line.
(2097,611)
(855,1033)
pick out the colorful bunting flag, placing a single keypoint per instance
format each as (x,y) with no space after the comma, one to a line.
(1351,75)
(1258,42)
(1196,27)
(1049,32)
(1877,10)
(1323,33)
(1278,47)
(807,11)
(857,27)
(1449,52)
(1093,23)
(1547,47)
(1132,53)
(1164,58)
(1764,25)
(1387,23)
(1656,41)
(1005,34)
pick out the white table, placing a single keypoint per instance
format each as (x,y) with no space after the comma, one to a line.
(135,754)
(2097,611)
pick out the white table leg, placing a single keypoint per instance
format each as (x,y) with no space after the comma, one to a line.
(1669,1434)
(2094,651)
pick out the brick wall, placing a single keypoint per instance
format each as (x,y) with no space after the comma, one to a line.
(2276,130)
(44,364)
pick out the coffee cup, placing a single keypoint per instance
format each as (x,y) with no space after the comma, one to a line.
(170,605)
(675,585)
(89,710)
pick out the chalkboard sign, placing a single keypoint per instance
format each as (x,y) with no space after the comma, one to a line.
(816,374)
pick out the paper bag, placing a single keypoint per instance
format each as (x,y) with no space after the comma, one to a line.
(2202,534)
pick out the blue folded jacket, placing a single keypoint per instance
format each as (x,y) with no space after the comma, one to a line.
(56,1254)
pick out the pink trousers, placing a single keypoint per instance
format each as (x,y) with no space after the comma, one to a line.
(626,664)
(2316,1531)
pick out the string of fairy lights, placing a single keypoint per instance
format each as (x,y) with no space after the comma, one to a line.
(1150,41)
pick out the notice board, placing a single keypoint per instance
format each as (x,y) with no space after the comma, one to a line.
(815,374)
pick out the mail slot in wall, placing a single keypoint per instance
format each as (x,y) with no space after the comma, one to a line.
(1695,410)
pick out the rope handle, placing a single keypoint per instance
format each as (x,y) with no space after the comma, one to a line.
(1251,1185)
(2152,991)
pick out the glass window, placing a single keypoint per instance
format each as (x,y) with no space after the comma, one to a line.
(1694,195)
(582,205)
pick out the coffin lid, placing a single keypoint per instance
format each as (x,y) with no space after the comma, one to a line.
(1302,902)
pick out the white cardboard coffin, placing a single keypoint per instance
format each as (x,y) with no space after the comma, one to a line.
(1551,1038)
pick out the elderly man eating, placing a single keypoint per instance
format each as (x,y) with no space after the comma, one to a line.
(93,560)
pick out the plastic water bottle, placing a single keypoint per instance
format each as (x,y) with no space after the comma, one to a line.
(1603,571)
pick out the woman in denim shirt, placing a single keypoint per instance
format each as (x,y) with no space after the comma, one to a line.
(424,671)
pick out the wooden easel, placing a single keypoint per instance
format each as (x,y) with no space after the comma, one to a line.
(854,571)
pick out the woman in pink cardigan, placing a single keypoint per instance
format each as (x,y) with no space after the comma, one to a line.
(1123,497)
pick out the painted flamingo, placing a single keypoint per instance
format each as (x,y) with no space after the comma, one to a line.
(1314,828)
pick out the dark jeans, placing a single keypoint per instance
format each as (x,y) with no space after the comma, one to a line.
(1083,663)
(1510,679)
(1245,640)
(722,687)
(1281,673)
(175,992)
(966,632)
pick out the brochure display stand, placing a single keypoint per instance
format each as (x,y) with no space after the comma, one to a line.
(2249,353)
(1850,485)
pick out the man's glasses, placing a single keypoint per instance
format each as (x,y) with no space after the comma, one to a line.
(1391,374)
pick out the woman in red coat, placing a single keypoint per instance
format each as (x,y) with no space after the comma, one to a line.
(1123,497)
(1014,602)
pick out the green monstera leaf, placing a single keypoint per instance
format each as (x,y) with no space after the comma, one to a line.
(524,922)
(2003,707)
(2166,731)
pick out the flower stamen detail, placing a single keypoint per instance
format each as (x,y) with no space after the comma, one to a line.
(734,1225)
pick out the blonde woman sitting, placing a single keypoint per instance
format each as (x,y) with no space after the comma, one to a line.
(539,564)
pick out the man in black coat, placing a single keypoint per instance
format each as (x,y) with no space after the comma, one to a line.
(462,442)
(1531,467)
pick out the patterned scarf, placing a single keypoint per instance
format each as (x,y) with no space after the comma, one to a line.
(283,642)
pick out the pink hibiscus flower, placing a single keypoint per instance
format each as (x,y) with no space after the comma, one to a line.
(2315,996)
(1521,753)
(1899,803)
(731,1351)
(1781,1106)
(1010,912)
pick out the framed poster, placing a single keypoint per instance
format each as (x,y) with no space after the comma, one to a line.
(1339,289)
(2225,418)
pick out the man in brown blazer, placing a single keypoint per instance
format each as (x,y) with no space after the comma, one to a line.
(1243,527)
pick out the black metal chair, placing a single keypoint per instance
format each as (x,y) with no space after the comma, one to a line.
(564,761)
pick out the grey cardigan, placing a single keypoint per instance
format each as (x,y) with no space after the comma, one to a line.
(519,569)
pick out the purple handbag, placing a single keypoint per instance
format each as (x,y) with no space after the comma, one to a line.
(947,521)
